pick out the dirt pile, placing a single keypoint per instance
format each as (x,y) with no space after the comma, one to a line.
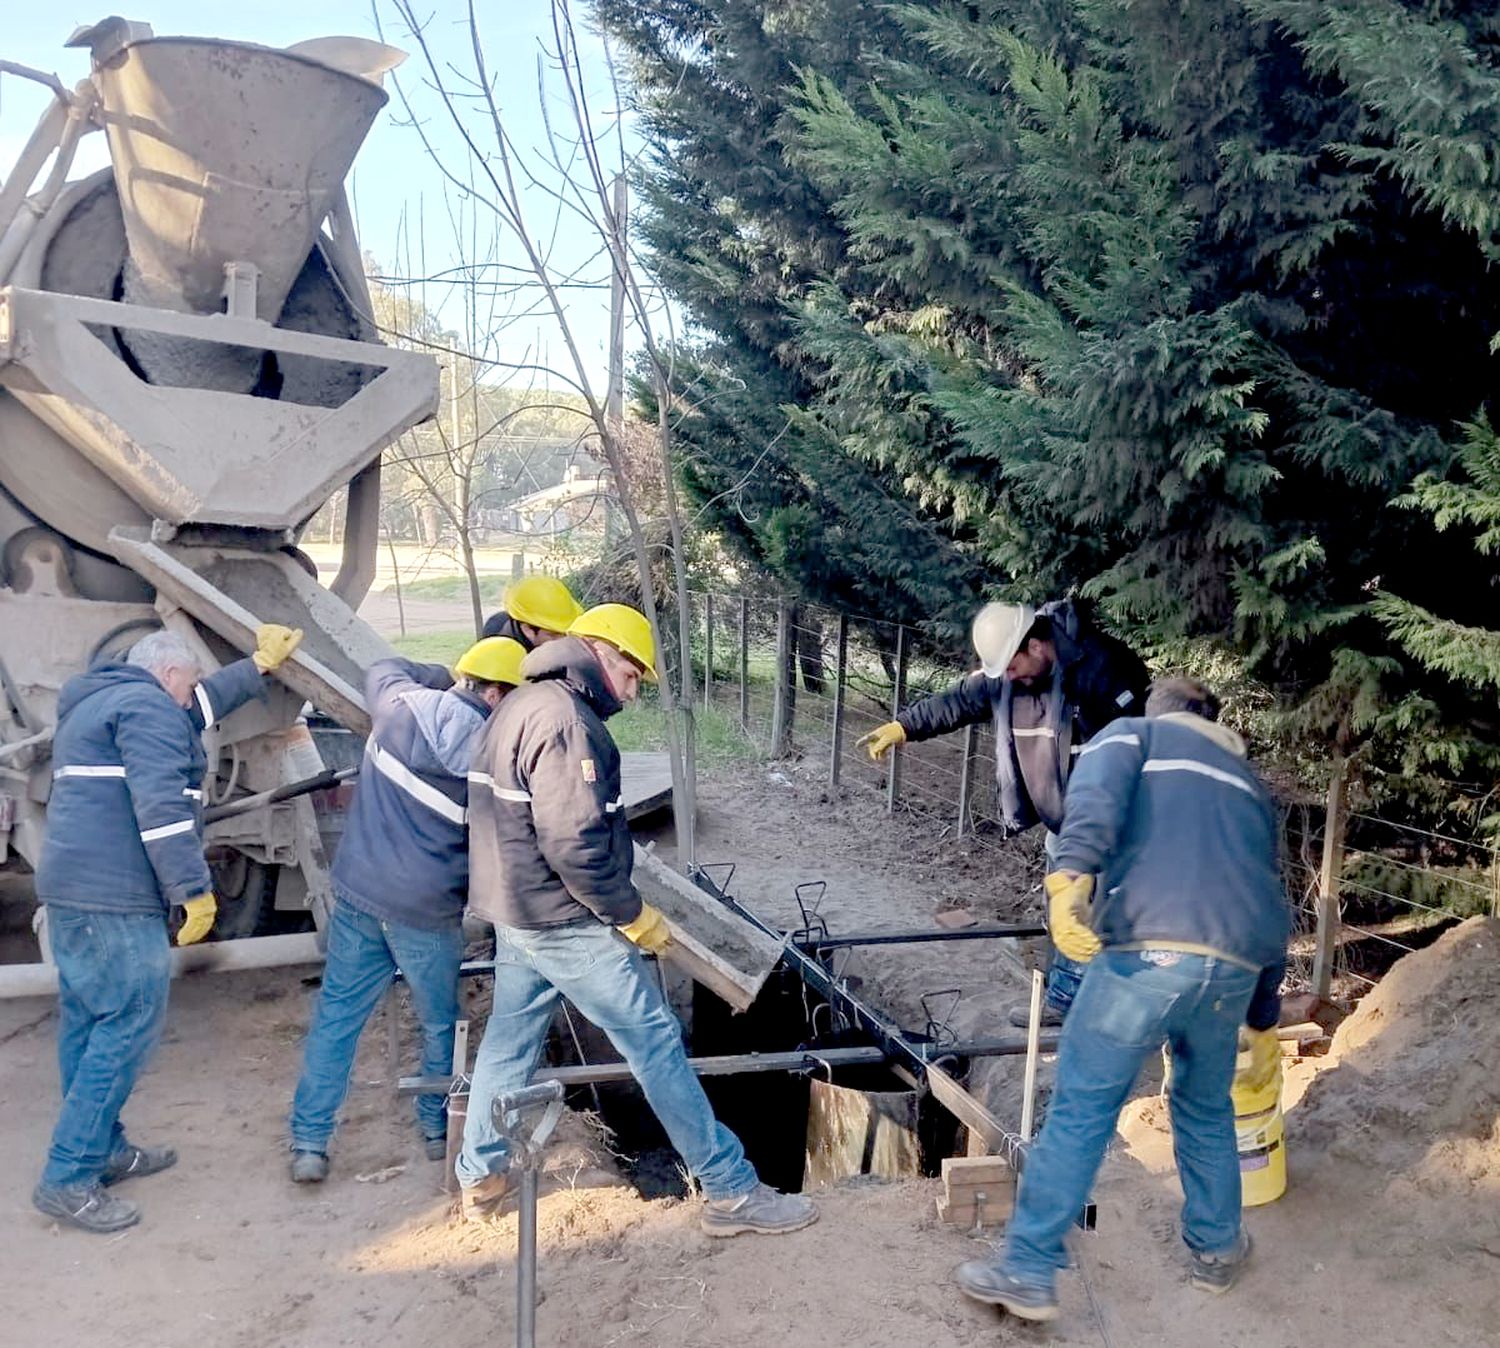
(1411,1082)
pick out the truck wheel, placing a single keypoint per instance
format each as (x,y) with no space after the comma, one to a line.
(246,891)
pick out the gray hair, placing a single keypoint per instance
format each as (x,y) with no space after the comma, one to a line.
(1176,694)
(162,651)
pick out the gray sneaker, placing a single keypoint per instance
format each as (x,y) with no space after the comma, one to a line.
(437,1148)
(990,1284)
(1217,1273)
(134,1162)
(309,1167)
(762,1211)
(87,1207)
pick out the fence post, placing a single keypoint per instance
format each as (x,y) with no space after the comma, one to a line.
(898,696)
(745,666)
(1329,876)
(840,676)
(708,651)
(965,779)
(783,708)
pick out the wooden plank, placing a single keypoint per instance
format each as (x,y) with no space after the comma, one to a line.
(645,783)
(970,1170)
(965,1108)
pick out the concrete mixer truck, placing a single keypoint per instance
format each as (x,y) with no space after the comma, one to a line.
(188,371)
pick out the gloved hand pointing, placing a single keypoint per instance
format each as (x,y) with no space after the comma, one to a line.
(649,931)
(883,739)
(1068,915)
(198,919)
(274,644)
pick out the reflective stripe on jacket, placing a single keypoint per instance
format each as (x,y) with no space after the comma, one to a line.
(547,834)
(404,856)
(1186,843)
(1102,679)
(125,817)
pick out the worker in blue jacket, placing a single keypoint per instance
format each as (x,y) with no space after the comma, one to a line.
(1185,945)
(400,881)
(124,847)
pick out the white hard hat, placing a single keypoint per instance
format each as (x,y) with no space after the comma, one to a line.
(999,630)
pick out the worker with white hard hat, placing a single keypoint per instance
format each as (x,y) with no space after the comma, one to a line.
(1049,680)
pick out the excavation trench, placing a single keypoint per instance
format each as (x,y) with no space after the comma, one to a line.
(798,1127)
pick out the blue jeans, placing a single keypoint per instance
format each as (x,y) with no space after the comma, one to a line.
(113,971)
(363,956)
(1130,1003)
(604,976)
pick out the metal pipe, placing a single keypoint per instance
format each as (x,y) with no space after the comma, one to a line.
(256,952)
(526,1261)
(289,791)
(741,1064)
(75,125)
(995,933)
(49,131)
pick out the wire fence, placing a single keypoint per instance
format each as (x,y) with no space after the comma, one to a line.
(806,683)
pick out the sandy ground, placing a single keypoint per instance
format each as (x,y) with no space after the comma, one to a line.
(1388,1235)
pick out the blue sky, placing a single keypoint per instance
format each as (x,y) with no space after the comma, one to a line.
(399,195)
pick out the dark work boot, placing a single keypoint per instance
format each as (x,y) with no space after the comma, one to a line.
(1217,1273)
(135,1162)
(1020,1016)
(87,1207)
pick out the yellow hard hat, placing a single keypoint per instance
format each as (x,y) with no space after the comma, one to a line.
(492,660)
(625,628)
(541,601)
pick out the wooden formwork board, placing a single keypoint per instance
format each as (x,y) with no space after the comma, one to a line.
(711,943)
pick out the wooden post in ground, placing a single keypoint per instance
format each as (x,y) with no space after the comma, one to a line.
(784,707)
(708,651)
(898,696)
(966,779)
(744,666)
(840,682)
(1329,877)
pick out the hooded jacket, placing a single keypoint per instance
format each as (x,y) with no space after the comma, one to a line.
(501,624)
(1097,680)
(548,841)
(404,856)
(1186,844)
(125,817)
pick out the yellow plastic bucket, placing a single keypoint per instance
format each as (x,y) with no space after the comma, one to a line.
(1259,1135)
(1260,1139)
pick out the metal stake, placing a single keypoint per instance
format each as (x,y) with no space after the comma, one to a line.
(526,1160)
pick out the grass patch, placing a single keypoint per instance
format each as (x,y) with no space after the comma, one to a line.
(642,727)
(491,588)
(437,648)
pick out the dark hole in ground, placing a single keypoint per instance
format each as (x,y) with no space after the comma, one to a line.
(768,1111)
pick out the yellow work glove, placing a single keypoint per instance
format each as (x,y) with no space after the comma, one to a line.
(649,931)
(273,645)
(198,919)
(1259,1059)
(883,739)
(1068,915)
